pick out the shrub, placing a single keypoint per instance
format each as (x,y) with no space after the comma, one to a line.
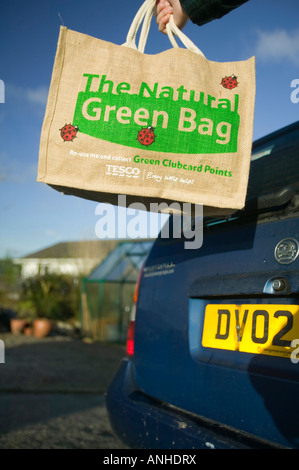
(51,296)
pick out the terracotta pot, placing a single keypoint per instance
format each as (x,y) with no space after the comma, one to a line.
(28,330)
(41,327)
(17,325)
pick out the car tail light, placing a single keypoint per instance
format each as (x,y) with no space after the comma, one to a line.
(131,328)
(130,338)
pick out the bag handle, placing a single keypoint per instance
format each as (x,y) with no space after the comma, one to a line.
(146,27)
(131,36)
(145,14)
(171,28)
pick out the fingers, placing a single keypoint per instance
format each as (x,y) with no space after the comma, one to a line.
(165,8)
(163,11)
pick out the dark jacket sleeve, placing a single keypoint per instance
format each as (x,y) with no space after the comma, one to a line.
(203,11)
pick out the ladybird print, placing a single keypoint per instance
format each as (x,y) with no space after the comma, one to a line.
(146,136)
(229,82)
(68,132)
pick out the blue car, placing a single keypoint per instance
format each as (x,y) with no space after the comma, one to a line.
(213,354)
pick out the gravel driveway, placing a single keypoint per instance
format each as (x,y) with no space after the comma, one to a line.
(52,393)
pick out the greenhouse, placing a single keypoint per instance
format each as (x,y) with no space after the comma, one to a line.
(107,293)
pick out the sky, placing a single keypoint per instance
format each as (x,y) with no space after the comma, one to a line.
(34,216)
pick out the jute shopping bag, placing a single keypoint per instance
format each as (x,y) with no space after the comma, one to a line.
(173,126)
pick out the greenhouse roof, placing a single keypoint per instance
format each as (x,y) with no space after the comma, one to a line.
(123,264)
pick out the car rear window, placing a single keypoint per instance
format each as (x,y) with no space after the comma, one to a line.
(275,165)
(273,178)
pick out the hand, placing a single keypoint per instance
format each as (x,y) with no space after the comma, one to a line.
(165,8)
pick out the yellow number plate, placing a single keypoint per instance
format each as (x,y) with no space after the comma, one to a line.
(259,329)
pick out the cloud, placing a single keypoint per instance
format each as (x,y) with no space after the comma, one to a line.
(279,46)
(3,167)
(52,233)
(38,95)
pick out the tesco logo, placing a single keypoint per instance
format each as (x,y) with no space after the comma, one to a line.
(116,170)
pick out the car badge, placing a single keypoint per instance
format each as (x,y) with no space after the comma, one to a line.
(286,251)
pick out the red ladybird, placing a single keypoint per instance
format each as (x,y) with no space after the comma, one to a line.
(229,82)
(146,136)
(69,132)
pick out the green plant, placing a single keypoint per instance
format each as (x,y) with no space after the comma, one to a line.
(9,283)
(26,310)
(51,296)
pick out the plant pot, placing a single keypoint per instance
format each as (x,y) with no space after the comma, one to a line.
(28,330)
(17,325)
(41,327)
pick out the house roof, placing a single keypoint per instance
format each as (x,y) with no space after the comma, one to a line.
(81,249)
(97,249)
